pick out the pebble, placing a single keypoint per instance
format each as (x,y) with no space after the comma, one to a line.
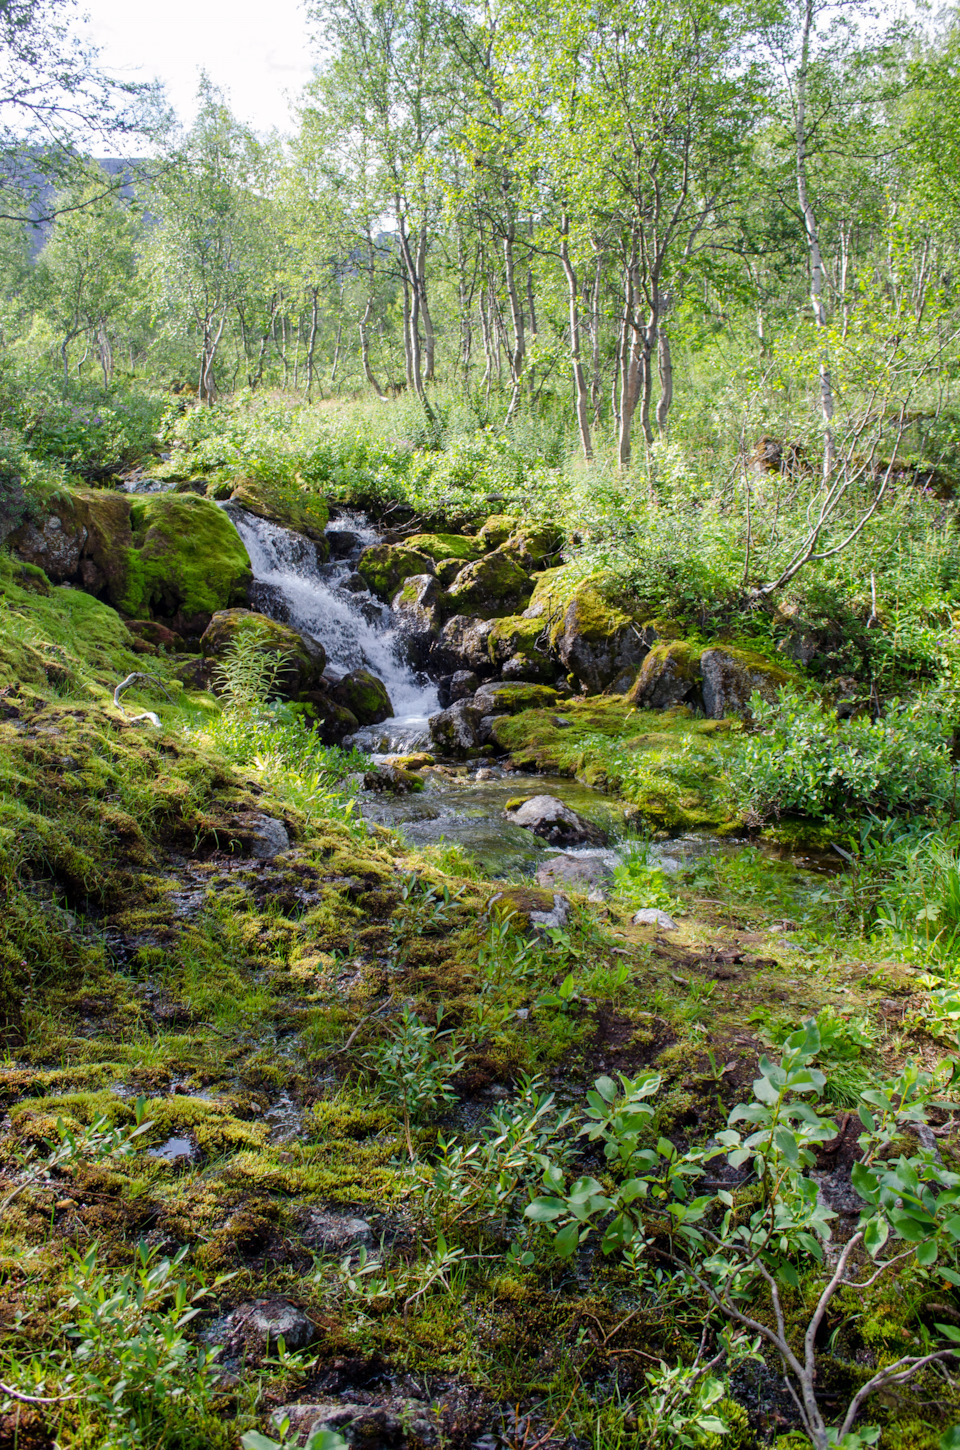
(649,916)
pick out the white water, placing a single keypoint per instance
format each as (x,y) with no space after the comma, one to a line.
(354,629)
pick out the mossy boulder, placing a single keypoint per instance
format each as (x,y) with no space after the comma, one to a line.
(529,909)
(492,586)
(670,675)
(83,540)
(595,636)
(497,530)
(301,663)
(384,567)
(520,649)
(416,605)
(730,676)
(364,696)
(186,562)
(463,645)
(286,504)
(332,721)
(445,546)
(533,545)
(510,697)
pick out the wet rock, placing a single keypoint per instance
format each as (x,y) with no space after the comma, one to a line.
(650,916)
(417,760)
(512,696)
(255,1328)
(549,818)
(462,684)
(493,585)
(670,676)
(447,571)
(392,779)
(730,677)
(354,583)
(332,721)
(462,645)
(579,873)
(416,606)
(485,734)
(290,507)
(335,1233)
(342,543)
(386,566)
(302,660)
(456,731)
(268,837)
(364,696)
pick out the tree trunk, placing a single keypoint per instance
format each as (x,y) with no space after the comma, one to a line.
(665,365)
(518,351)
(813,240)
(429,337)
(365,353)
(579,382)
(105,351)
(312,340)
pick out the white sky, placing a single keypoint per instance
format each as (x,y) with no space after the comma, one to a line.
(256,51)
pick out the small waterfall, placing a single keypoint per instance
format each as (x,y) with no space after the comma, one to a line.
(356,630)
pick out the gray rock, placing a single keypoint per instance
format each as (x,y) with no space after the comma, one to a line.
(354,583)
(463,645)
(577,872)
(649,916)
(456,731)
(268,838)
(334,1233)
(548,817)
(256,1327)
(463,683)
(728,683)
(416,607)
(393,1422)
(558,917)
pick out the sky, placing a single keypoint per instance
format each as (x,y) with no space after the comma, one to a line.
(257,51)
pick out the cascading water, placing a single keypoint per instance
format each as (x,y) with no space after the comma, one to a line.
(356,631)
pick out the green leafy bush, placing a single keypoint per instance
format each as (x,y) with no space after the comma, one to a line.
(799,759)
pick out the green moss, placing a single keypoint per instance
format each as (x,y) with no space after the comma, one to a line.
(383,567)
(514,635)
(563,599)
(492,586)
(497,530)
(285,503)
(514,696)
(445,546)
(187,559)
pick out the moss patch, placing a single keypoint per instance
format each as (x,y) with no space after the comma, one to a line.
(445,546)
(186,562)
(286,504)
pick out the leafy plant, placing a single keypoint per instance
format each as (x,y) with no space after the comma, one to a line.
(414,1067)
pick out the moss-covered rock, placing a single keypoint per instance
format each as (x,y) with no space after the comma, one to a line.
(364,696)
(302,663)
(497,530)
(384,567)
(186,561)
(589,627)
(670,675)
(445,546)
(730,676)
(534,545)
(83,540)
(511,697)
(494,585)
(285,504)
(332,721)
(520,649)
(463,645)
(416,605)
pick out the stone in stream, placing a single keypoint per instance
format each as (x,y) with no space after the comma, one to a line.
(416,606)
(492,586)
(598,641)
(386,566)
(579,873)
(512,696)
(462,684)
(456,731)
(462,645)
(364,696)
(549,818)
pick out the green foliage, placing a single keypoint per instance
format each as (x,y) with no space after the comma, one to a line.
(799,759)
(247,674)
(92,431)
(414,1067)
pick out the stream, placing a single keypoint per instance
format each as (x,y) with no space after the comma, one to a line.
(460,804)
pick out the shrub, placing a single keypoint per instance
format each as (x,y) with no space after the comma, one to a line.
(801,760)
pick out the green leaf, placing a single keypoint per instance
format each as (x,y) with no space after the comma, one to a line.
(788,1275)
(949,1331)
(326,1440)
(567,1240)
(253,1440)
(950,1439)
(545,1210)
(927,1253)
(875,1235)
